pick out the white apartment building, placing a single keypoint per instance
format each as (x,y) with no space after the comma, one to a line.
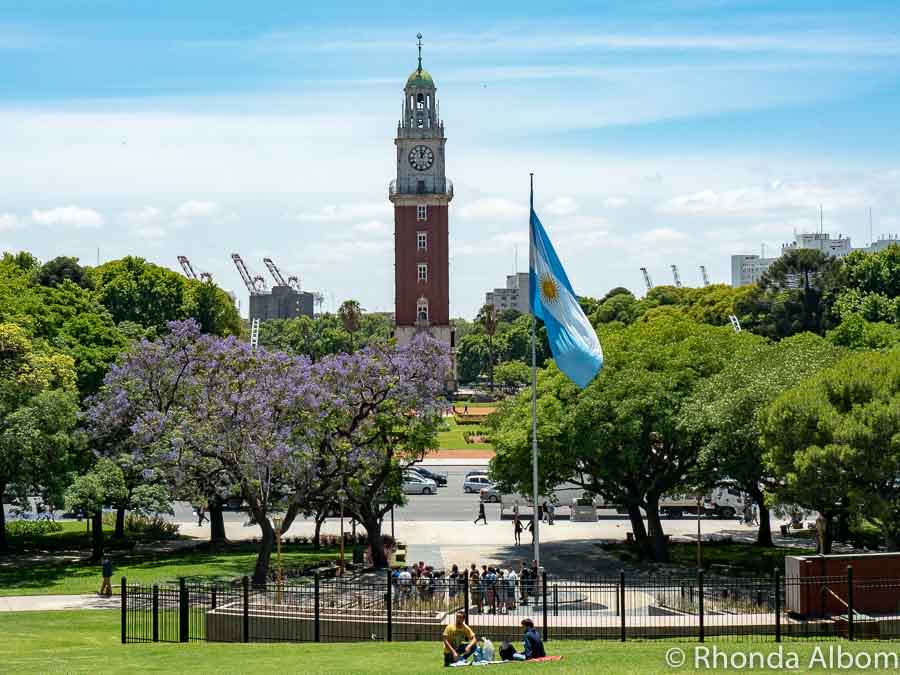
(747,269)
(514,296)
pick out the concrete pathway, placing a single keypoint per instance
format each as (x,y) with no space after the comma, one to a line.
(43,603)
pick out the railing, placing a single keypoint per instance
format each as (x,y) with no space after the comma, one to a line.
(416,186)
(384,608)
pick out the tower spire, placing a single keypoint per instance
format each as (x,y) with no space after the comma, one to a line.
(419,43)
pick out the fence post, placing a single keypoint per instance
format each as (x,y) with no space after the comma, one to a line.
(213,601)
(316,626)
(390,617)
(182,610)
(777,605)
(245,583)
(850,627)
(700,601)
(156,612)
(466,596)
(622,602)
(544,601)
(124,594)
(555,599)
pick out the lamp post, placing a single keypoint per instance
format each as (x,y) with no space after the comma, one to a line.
(341,566)
(699,547)
(278,522)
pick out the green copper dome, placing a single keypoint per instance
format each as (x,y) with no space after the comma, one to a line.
(420,78)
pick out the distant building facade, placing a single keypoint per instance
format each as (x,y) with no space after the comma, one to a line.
(748,269)
(282,302)
(514,296)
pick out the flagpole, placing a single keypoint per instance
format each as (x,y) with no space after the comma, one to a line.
(534,443)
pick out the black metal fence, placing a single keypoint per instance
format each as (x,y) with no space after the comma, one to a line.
(381,607)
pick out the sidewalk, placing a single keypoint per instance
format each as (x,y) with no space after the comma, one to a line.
(42,603)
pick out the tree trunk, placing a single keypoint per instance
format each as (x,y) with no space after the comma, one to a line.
(372,523)
(4,544)
(639,530)
(97,535)
(264,555)
(764,535)
(216,523)
(491,362)
(655,530)
(320,519)
(119,532)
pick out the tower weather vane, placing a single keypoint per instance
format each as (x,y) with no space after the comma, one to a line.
(419,43)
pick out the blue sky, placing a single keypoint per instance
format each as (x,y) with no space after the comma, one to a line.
(659,132)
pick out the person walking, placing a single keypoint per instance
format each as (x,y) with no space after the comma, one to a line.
(201,515)
(481,514)
(106,570)
(517,530)
(551,512)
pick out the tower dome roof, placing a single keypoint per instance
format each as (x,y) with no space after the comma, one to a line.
(420,78)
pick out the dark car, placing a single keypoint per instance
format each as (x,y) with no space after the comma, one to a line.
(439,478)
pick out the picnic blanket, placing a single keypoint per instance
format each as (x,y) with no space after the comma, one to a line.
(460,664)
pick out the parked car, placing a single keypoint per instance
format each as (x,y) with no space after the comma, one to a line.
(439,478)
(476,472)
(476,483)
(417,485)
(490,494)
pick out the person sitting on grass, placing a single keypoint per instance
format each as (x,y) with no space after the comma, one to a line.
(507,651)
(533,645)
(459,640)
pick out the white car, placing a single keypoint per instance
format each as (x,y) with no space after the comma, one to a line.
(413,484)
(477,483)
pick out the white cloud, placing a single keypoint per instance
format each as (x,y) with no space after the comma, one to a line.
(10,221)
(375,227)
(772,197)
(493,207)
(615,202)
(661,235)
(192,212)
(68,216)
(332,213)
(562,206)
(142,217)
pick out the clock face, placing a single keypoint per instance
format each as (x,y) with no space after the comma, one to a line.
(421,157)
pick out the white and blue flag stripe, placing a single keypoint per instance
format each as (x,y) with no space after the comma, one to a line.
(573,340)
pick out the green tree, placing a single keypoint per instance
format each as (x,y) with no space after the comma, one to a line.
(103,485)
(487,319)
(857,333)
(723,414)
(38,406)
(350,314)
(63,268)
(512,374)
(833,441)
(620,437)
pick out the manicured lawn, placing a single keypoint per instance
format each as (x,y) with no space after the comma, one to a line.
(88,642)
(72,536)
(452,439)
(742,557)
(21,576)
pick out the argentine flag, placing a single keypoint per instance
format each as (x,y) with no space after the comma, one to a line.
(573,341)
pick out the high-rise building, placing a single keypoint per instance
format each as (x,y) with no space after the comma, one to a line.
(748,269)
(514,296)
(421,194)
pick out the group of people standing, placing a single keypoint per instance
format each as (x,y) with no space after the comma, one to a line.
(494,589)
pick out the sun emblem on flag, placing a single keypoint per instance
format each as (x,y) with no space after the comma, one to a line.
(549,289)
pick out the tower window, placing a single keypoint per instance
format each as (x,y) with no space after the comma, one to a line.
(422,212)
(422,309)
(422,241)
(420,102)
(422,269)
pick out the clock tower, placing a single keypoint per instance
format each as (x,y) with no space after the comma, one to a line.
(421,195)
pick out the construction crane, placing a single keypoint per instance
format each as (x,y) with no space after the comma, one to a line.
(189,270)
(255,284)
(647,278)
(275,272)
(675,276)
(704,275)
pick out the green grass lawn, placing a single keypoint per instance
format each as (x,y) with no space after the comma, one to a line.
(452,439)
(88,642)
(742,557)
(21,576)
(459,405)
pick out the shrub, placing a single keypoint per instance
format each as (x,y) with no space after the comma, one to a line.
(150,527)
(32,528)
